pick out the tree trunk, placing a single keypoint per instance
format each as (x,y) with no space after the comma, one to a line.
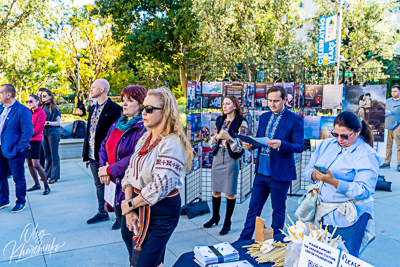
(183,78)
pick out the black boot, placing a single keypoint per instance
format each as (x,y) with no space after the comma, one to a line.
(230,206)
(216,202)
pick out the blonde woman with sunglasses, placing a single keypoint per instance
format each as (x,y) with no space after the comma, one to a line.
(154,177)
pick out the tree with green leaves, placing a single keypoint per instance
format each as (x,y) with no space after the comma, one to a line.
(20,20)
(45,64)
(88,35)
(369,32)
(248,32)
(164,31)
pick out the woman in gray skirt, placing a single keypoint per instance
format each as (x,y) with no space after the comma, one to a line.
(225,168)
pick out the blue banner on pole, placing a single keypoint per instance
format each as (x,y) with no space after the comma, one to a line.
(327,40)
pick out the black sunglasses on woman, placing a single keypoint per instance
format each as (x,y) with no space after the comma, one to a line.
(148,108)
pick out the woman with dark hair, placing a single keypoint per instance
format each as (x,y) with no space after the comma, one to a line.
(80,103)
(227,150)
(346,189)
(35,145)
(51,136)
(117,149)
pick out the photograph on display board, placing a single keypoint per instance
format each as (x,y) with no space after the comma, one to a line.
(369,102)
(234,89)
(289,95)
(212,88)
(249,118)
(260,94)
(297,95)
(197,156)
(332,96)
(246,159)
(313,96)
(257,115)
(312,127)
(327,127)
(212,101)
(248,97)
(193,95)
(194,127)
(208,123)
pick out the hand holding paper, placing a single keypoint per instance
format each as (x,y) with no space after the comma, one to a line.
(275,143)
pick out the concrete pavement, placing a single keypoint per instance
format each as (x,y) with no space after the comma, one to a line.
(67,240)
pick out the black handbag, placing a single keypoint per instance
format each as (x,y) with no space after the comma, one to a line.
(383,185)
(194,209)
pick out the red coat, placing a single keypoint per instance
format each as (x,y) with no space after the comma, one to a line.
(38,121)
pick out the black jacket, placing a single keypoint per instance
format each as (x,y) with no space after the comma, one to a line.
(110,113)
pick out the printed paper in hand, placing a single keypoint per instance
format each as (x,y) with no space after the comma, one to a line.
(109,193)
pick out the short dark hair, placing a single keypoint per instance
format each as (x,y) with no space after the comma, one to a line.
(9,89)
(277,89)
(396,86)
(368,94)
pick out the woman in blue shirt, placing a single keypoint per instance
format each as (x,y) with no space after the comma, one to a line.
(352,172)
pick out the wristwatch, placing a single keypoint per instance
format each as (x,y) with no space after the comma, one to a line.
(130,203)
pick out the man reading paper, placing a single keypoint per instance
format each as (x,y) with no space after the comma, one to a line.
(275,167)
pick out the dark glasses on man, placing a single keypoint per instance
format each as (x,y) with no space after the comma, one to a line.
(149,109)
(29,101)
(343,136)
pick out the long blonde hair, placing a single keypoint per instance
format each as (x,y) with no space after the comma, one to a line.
(171,123)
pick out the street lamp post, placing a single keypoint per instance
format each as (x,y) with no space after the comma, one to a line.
(338,42)
(79,71)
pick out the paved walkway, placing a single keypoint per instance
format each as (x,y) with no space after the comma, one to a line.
(67,240)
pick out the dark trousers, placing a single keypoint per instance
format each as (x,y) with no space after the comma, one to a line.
(262,187)
(50,145)
(94,167)
(16,166)
(164,217)
(127,235)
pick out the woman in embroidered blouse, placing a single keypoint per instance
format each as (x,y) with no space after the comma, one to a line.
(225,167)
(117,149)
(156,170)
(352,172)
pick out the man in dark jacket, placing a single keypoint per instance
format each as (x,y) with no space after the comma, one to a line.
(101,117)
(275,167)
(16,131)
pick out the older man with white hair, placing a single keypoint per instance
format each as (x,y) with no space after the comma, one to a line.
(101,116)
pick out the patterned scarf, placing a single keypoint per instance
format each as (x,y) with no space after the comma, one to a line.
(124,125)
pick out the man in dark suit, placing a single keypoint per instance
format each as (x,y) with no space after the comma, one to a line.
(101,116)
(16,131)
(275,167)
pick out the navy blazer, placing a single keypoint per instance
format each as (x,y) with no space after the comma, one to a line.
(17,130)
(291,133)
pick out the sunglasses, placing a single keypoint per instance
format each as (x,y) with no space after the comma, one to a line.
(29,102)
(149,109)
(43,96)
(343,136)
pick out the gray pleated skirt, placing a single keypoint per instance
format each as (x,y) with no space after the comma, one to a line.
(224,172)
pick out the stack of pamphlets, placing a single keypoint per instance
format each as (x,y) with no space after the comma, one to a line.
(219,253)
(233,264)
